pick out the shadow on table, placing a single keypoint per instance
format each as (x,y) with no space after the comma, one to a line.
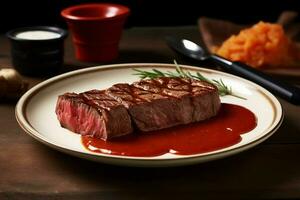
(249,174)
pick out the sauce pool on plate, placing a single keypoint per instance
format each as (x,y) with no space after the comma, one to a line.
(219,132)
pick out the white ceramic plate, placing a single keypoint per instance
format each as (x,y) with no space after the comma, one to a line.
(35,112)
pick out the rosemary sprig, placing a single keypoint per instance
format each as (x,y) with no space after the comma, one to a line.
(179,72)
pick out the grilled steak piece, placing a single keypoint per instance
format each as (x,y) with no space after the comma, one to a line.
(164,102)
(93,113)
(151,104)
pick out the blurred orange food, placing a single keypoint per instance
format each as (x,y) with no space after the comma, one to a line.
(264,45)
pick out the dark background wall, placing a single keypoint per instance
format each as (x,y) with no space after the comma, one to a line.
(19,13)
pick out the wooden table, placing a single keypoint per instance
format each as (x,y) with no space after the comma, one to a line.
(30,170)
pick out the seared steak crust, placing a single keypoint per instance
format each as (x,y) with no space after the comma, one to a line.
(165,102)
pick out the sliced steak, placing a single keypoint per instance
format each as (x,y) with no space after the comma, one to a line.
(93,113)
(164,102)
(206,100)
(150,104)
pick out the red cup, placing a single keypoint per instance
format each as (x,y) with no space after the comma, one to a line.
(96,30)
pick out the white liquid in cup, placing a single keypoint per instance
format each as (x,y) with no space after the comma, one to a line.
(37,35)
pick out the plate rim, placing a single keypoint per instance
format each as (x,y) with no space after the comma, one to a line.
(20,114)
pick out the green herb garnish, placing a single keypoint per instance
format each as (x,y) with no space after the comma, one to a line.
(180,73)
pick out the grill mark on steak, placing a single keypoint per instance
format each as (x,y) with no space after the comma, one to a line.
(99,99)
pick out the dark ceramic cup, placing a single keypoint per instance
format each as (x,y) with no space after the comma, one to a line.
(38,50)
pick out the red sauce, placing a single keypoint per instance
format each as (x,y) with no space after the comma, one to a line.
(216,133)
